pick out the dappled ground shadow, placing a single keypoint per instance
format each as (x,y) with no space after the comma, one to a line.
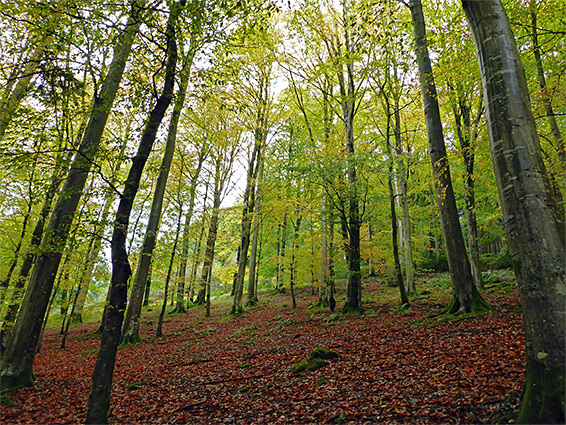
(396,366)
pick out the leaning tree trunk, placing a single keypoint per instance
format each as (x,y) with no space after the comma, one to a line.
(247,216)
(142,280)
(534,223)
(466,297)
(17,363)
(11,99)
(99,398)
(547,100)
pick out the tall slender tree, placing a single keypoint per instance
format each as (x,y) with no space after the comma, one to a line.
(99,398)
(141,277)
(465,295)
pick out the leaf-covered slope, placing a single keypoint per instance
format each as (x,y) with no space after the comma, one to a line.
(393,368)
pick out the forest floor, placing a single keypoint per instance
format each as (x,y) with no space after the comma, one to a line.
(396,365)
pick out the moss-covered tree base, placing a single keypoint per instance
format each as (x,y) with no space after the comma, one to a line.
(546,406)
(236,311)
(131,338)
(348,309)
(179,310)
(76,318)
(252,303)
(9,383)
(477,305)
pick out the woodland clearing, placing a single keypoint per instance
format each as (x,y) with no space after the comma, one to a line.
(396,365)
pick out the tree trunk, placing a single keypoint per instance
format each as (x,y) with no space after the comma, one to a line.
(253,276)
(10,101)
(353,301)
(402,175)
(247,216)
(141,280)
(324,279)
(331,298)
(394,230)
(463,121)
(547,99)
(84,282)
(99,398)
(159,331)
(210,244)
(282,239)
(466,297)
(434,227)
(17,363)
(293,265)
(394,235)
(534,223)
(147,285)
(182,271)
(201,295)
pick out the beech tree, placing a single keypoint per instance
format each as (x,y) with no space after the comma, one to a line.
(466,296)
(534,223)
(256,80)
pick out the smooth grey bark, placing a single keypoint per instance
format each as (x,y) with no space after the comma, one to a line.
(407,236)
(465,295)
(141,280)
(17,363)
(534,223)
(434,229)
(260,131)
(99,398)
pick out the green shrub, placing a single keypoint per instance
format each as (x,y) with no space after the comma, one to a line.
(428,261)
